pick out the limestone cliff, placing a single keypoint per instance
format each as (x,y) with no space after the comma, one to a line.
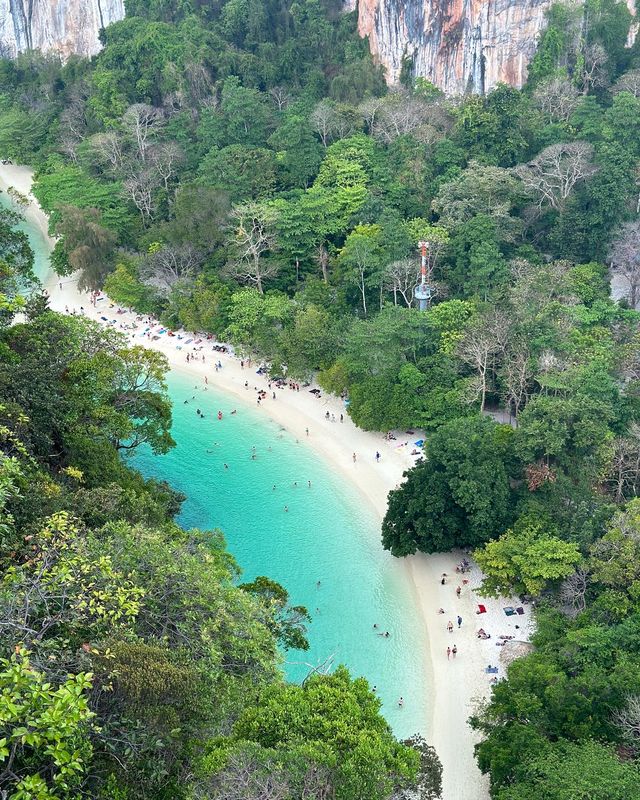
(460,45)
(62,26)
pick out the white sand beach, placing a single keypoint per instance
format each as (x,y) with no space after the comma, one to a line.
(458,684)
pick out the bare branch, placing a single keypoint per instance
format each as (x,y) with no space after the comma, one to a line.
(553,173)
(168,265)
(253,234)
(557,98)
(625,258)
(142,123)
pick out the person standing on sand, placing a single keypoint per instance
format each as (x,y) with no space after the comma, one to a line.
(459,620)
(450,626)
(354,458)
(448,653)
(454,650)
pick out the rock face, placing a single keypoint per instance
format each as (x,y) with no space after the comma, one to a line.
(61,26)
(459,45)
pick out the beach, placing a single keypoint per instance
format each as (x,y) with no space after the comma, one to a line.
(458,683)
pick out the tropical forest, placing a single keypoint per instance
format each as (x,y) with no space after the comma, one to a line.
(243,170)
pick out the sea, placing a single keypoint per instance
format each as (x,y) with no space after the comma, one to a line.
(286,515)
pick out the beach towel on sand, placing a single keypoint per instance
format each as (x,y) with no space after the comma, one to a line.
(509,611)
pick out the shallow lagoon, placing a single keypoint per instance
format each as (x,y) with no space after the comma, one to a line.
(328,534)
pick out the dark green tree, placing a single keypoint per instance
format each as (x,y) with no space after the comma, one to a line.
(458,496)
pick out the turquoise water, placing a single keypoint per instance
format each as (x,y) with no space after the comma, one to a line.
(37,240)
(328,534)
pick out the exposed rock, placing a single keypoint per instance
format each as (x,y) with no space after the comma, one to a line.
(61,26)
(459,45)
(513,650)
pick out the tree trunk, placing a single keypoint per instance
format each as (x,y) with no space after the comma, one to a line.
(483,375)
(258,275)
(323,258)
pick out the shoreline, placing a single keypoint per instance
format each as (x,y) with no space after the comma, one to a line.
(458,685)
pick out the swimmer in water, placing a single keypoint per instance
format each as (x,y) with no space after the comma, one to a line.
(286,508)
(226,466)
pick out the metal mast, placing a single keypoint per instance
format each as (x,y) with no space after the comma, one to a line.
(423,291)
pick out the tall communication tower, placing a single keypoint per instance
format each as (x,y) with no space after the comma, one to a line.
(423,291)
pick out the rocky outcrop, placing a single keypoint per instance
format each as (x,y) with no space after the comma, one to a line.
(61,26)
(459,45)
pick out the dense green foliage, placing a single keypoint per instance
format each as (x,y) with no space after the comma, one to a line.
(133,664)
(241,168)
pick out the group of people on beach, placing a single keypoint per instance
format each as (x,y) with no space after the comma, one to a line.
(451,651)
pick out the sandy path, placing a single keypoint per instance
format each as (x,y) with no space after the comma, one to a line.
(457,684)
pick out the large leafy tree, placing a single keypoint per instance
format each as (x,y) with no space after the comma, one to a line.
(458,496)
(85,392)
(525,560)
(331,725)
(573,770)
(16,265)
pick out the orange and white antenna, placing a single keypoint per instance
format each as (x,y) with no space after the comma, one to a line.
(423,290)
